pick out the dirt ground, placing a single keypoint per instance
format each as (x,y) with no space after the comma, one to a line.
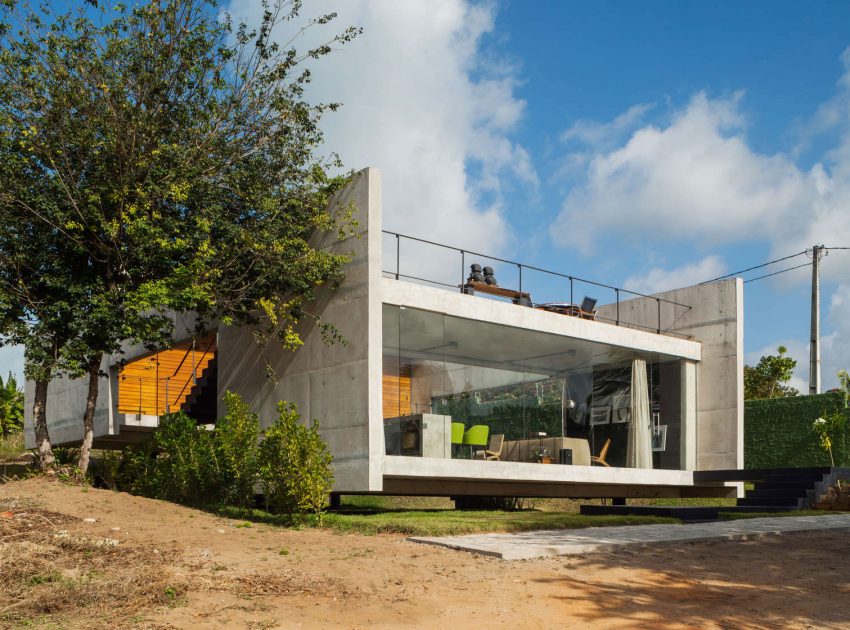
(220,573)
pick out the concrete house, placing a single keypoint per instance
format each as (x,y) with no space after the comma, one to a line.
(451,384)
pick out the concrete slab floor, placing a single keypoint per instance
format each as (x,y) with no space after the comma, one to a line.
(571,542)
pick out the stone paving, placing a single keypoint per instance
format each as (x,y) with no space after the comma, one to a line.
(571,542)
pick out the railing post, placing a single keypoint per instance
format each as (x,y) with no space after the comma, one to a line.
(617,291)
(397,255)
(572,301)
(140,399)
(462,270)
(194,367)
(519,266)
(167,401)
(659,315)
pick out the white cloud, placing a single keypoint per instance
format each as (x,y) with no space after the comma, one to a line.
(695,179)
(601,135)
(835,347)
(423,104)
(659,279)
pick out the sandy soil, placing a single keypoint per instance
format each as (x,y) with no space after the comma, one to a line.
(239,578)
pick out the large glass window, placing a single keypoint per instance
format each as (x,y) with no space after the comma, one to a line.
(552,399)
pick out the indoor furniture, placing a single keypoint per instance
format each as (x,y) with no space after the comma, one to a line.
(522,450)
(600,459)
(476,435)
(493,450)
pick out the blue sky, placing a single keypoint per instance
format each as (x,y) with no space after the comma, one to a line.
(647,145)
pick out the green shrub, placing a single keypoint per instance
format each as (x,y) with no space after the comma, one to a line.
(188,464)
(11,407)
(295,465)
(181,464)
(236,440)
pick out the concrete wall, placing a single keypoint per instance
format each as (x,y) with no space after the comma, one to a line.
(66,403)
(339,385)
(716,318)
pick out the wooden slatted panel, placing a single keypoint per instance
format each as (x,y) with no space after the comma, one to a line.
(396,391)
(161,381)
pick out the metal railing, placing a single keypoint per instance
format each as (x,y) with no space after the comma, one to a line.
(572,280)
(170,401)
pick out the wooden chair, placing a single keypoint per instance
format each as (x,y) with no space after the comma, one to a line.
(587,310)
(493,452)
(600,459)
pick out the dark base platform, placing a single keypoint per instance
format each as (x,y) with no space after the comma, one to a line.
(686,513)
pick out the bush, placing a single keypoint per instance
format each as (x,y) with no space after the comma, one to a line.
(188,464)
(295,465)
(179,464)
(236,440)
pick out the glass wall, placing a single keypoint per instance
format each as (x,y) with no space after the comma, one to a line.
(553,399)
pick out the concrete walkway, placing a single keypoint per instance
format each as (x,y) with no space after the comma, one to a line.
(571,542)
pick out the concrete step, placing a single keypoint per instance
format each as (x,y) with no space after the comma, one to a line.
(756,474)
(686,513)
(771,501)
(792,477)
(784,488)
(778,492)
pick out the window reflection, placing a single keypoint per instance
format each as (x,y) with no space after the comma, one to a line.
(533,388)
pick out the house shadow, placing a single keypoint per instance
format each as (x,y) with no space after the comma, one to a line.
(793,580)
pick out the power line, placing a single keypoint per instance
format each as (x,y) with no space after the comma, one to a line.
(771,262)
(776,273)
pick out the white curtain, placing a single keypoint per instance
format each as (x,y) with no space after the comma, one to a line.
(639,451)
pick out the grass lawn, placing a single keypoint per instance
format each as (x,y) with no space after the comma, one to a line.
(434,516)
(452,522)
(12,446)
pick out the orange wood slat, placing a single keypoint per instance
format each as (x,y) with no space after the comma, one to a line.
(396,392)
(152,384)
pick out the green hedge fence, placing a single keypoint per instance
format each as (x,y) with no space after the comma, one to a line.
(778,432)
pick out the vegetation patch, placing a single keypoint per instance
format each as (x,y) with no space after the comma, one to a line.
(54,576)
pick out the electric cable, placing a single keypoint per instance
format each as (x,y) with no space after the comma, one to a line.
(771,262)
(776,273)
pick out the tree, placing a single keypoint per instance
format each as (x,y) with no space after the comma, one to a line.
(169,157)
(767,379)
(37,298)
(11,406)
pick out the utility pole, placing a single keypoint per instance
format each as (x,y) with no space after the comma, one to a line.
(814,340)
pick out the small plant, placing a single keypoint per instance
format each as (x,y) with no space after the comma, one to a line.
(539,454)
(826,429)
(283,552)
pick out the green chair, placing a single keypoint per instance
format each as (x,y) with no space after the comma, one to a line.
(457,435)
(476,436)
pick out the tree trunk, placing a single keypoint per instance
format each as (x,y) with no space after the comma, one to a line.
(39,421)
(88,416)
